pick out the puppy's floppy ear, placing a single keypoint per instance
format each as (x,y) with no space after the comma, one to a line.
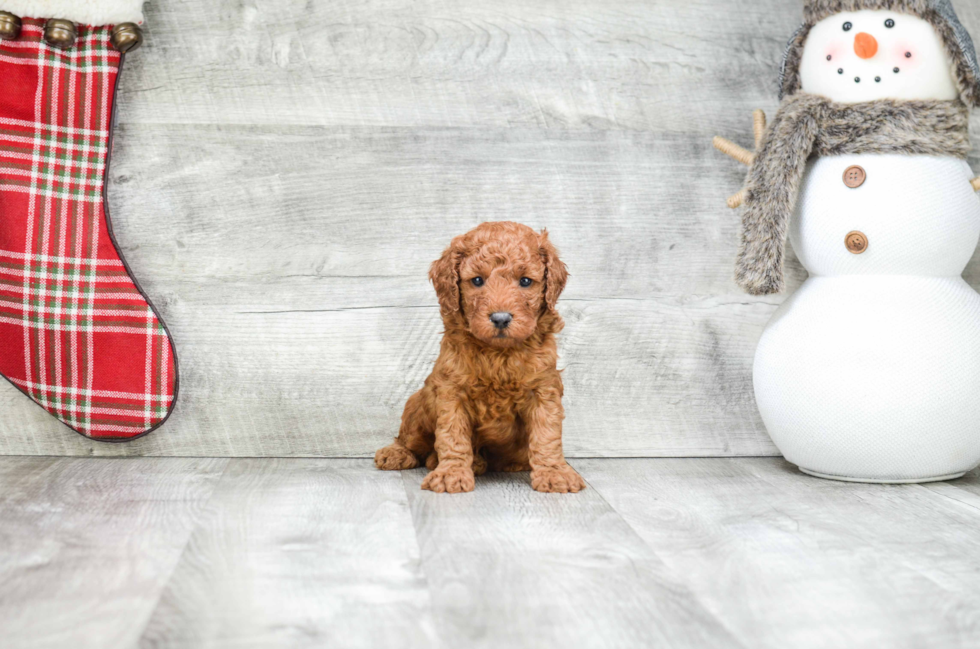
(556,273)
(444,275)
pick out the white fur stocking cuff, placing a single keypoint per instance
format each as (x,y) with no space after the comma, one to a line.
(83,12)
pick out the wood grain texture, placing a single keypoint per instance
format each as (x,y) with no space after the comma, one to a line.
(87,545)
(784,560)
(171,553)
(299,553)
(509,567)
(284,172)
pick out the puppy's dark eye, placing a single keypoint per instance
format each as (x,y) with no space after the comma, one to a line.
(477,281)
(889,23)
(526,281)
(848,27)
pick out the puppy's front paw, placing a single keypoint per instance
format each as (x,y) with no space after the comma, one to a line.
(557,480)
(450,478)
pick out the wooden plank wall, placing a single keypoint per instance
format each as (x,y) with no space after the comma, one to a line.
(284,172)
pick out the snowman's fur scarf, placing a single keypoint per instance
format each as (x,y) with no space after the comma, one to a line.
(817,10)
(810,125)
(83,12)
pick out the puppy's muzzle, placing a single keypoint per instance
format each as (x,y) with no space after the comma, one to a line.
(501,319)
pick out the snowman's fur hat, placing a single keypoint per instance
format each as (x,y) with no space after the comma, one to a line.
(939,13)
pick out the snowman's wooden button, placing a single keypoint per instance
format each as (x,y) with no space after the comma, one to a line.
(855,176)
(856,242)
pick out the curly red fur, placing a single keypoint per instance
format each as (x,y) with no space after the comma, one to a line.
(493,400)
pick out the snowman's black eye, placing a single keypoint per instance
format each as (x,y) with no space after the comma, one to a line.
(848,27)
(829,57)
(477,281)
(889,23)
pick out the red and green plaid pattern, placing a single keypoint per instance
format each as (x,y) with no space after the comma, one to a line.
(76,334)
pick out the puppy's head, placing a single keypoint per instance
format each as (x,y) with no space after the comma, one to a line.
(501,282)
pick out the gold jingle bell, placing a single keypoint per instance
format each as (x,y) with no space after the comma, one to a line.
(60,33)
(127,37)
(9,26)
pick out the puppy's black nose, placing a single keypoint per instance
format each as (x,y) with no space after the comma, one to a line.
(501,319)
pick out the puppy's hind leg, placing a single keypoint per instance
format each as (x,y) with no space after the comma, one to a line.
(511,460)
(415,438)
(479,464)
(395,457)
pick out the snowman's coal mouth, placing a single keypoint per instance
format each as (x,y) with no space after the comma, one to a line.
(877,78)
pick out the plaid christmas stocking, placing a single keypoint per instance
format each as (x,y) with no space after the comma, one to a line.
(77,334)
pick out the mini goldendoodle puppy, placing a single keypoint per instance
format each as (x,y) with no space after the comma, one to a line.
(493,401)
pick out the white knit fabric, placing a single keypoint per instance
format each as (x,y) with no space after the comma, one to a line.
(928,75)
(874,377)
(84,12)
(920,214)
(871,370)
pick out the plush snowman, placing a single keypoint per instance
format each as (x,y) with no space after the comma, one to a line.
(871,370)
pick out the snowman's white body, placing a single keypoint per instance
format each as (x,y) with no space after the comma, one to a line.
(871,370)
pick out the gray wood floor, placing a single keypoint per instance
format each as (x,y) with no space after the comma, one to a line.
(745,553)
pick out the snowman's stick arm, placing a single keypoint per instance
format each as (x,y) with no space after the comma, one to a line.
(759,127)
(744,156)
(976,184)
(734,151)
(737,200)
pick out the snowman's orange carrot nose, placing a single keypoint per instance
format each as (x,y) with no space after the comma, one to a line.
(865,45)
